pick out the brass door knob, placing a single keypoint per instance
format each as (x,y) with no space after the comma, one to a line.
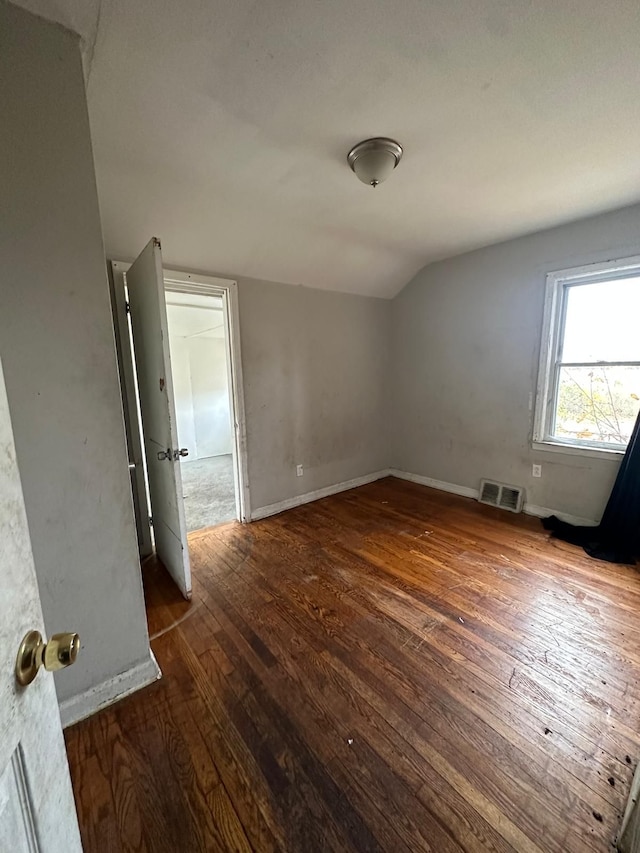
(61,651)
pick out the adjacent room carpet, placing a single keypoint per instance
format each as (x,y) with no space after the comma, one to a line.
(208,489)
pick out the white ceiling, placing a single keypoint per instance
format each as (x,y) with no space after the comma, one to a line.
(195,300)
(223,128)
(190,317)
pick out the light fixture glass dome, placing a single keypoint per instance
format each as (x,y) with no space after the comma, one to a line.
(373,160)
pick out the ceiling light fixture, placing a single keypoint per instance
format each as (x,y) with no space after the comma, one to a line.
(373,160)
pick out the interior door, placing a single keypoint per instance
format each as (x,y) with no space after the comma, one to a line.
(145,283)
(129,394)
(37,811)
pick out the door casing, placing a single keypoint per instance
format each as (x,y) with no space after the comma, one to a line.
(203,285)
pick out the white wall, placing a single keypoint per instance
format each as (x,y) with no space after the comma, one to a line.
(199,370)
(465,338)
(212,419)
(315,367)
(57,349)
(182,392)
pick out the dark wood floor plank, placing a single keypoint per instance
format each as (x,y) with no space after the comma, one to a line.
(416,821)
(617,747)
(501,786)
(98,825)
(497,749)
(388,669)
(227,822)
(457,712)
(267,708)
(249,777)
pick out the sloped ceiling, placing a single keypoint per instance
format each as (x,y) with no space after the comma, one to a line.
(223,128)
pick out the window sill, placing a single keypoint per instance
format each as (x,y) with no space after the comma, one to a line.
(574,450)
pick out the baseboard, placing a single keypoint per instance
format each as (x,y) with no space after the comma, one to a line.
(467,492)
(545,512)
(463,491)
(298,500)
(96,698)
(441,485)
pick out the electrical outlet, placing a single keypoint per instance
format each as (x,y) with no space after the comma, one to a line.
(299,471)
(536,470)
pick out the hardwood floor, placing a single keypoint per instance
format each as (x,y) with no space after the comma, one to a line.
(389,669)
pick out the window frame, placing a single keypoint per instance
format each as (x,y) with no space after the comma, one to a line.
(557,284)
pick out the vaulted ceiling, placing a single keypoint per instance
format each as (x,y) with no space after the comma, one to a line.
(223,127)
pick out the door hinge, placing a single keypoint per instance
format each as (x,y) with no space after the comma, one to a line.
(150,521)
(127,308)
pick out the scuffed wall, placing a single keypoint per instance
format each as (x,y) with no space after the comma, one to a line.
(57,350)
(315,367)
(465,344)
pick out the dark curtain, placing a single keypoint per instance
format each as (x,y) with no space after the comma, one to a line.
(617,537)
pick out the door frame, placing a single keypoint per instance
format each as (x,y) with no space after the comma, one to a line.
(203,285)
(130,407)
(185,282)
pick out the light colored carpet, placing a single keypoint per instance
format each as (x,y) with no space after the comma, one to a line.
(208,489)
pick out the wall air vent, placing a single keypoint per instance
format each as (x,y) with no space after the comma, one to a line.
(501,495)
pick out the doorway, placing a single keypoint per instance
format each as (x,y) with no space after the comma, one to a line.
(221,365)
(206,392)
(200,370)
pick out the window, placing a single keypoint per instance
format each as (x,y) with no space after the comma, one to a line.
(589,379)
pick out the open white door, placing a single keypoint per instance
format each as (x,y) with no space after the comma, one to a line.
(145,283)
(37,811)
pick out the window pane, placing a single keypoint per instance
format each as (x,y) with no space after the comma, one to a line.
(602,321)
(597,404)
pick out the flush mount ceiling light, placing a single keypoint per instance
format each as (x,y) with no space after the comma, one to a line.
(373,160)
